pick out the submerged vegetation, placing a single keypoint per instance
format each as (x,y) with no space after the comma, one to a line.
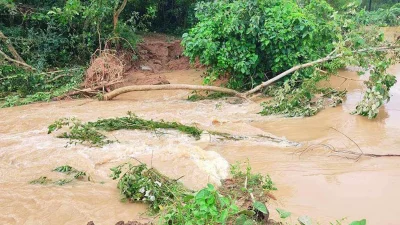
(90,132)
(72,174)
(240,200)
(198,97)
(174,204)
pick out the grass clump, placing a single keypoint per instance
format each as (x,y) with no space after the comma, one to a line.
(207,206)
(247,182)
(90,132)
(72,174)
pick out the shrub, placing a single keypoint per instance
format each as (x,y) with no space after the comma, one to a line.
(380,17)
(253,41)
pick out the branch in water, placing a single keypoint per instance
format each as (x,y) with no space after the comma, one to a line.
(127,89)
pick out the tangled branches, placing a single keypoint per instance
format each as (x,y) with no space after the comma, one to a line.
(107,65)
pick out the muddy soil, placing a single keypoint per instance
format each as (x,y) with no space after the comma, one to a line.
(157,54)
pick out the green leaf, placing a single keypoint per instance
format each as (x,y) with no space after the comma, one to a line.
(361,222)
(248,222)
(240,220)
(283,213)
(260,207)
(247,212)
(243,220)
(304,220)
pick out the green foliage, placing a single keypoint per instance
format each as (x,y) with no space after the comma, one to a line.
(73,174)
(58,35)
(380,17)
(170,16)
(41,180)
(298,97)
(261,207)
(198,97)
(283,213)
(254,180)
(79,132)
(70,171)
(53,35)
(377,4)
(141,184)
(20,87)
(361,222)
(207,206)
(375,64)
(377,93)
(175,204)
(255,40)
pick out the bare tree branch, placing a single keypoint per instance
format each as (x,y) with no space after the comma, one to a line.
(11,47)
(19,63)
(328,58)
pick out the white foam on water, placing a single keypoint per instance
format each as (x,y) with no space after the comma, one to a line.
(211,163)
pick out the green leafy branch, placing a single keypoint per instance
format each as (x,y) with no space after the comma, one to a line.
(79,132)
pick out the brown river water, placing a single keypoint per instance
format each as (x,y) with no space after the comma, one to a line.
(316,183)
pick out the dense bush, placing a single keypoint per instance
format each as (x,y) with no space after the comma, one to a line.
(370,5)
(252,41)
(170,16)
(380,17)
(48,34)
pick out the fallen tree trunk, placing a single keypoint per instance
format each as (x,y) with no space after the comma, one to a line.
(265,84)
(326,59)
(127,89)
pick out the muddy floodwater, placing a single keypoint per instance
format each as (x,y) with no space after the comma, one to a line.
(311,180)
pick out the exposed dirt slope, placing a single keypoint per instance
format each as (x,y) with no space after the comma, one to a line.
(157,54)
